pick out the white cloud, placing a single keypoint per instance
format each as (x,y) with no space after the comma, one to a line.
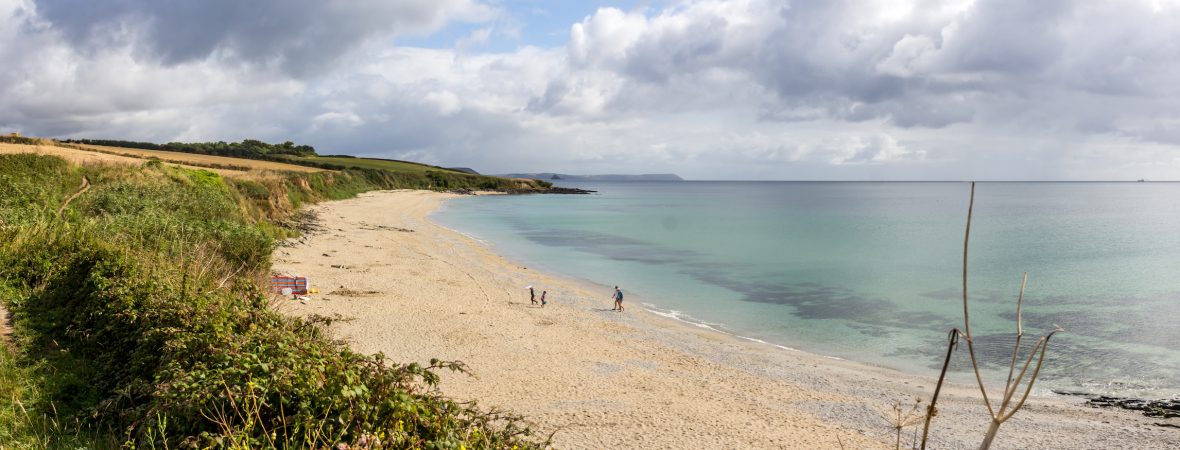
(909,56)
(336,119)
(877,149)
(708,88)
(298,37)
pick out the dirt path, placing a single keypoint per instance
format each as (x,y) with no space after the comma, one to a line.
(5,327)
(81,190)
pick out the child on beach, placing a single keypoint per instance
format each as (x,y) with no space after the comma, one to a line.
(543,302)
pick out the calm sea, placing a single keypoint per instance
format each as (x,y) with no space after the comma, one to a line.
(872,271)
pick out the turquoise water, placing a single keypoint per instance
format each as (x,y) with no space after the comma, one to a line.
(872,271)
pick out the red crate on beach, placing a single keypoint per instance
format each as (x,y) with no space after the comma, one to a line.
(297,285)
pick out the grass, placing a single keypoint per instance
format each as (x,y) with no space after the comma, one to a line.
(28,420)
(378,173)
(214,161)
(141,321)
(369,163)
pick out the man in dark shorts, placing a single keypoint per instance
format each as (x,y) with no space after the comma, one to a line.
(532,296)
(618,300)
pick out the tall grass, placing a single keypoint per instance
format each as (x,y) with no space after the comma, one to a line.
(140,322)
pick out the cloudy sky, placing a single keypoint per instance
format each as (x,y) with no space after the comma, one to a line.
(708,89)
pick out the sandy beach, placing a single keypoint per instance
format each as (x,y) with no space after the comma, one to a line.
(598,379)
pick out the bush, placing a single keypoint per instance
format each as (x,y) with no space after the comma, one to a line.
(139,314)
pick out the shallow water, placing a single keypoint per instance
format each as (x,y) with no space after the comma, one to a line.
(872,271)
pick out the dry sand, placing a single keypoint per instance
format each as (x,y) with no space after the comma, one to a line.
(601,379)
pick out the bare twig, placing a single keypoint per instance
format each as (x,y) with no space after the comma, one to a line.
(931,411)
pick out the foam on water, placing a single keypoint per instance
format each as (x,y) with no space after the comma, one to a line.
(715,327)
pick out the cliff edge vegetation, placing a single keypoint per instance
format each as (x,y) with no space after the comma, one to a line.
(140,320)
(409,174)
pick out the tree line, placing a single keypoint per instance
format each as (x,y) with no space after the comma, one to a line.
(248,148)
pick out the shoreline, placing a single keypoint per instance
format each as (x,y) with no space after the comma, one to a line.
(605,380)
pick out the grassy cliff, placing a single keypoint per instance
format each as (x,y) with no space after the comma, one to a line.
(401,174)
(140,321)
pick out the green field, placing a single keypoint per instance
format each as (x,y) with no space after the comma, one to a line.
(288,152)
(368,163)
(253,154)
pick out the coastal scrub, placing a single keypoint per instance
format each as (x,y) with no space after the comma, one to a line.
(140,321)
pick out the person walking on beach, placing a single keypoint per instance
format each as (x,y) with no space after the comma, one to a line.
(543,302)
(618,300)
(532,295)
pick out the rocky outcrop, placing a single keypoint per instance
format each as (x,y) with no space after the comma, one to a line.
(1163,409)
(568,190)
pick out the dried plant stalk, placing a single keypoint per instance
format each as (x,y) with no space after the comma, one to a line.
(931,411)
(1006,408)
(900,418)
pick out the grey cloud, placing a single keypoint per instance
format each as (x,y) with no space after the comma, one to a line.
(168,70)
(1010,37)
(815,50)
(1123,50)
(1160,133)
(922,111)
(806,54)
(300,37)
(658,58)
(549,101)
(822,52)
(832,60)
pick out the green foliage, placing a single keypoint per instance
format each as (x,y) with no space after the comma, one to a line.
(372,173)
(352,162)
(248,148)
(138,323)
(18,140)
(173,210)
(31,187)
(23,424)
(250,189)
(205,178)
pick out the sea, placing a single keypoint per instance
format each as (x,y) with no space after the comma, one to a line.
(873,271)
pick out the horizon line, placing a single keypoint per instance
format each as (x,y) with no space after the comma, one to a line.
(879,181)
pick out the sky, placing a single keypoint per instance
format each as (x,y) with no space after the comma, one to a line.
(707,89)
